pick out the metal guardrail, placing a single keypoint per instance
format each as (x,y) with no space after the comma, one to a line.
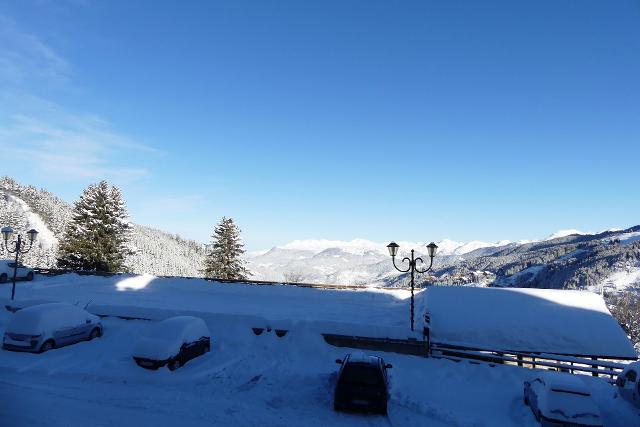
(393,345)
(593,365)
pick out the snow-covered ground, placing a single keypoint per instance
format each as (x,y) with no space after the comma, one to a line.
(251,380)
(246,379)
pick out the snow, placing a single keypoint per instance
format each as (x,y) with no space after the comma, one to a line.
(565,233)
(249,380)
(45,236)
(628,238)
(166,337)
(45,318)
(528,320)
(620,280)
(367,306)
(558,399)
(135,283)
(361,246)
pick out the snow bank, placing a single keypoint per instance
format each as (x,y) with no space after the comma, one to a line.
(528,320)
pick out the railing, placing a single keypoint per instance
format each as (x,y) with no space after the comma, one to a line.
(593,365)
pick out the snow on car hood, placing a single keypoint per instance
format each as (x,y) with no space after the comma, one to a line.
(571,407)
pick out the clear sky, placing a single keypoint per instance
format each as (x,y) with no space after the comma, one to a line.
(414,120)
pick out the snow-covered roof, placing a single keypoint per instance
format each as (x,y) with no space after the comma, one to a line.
(527,320)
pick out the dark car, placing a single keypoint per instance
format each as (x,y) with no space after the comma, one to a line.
(363,384)
(172,342)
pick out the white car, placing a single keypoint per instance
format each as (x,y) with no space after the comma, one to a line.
(43,327)
(172,342)
(558,399)
(6,271)
(628,383)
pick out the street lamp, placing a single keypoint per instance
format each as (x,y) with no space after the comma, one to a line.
(432,248)
(17,249)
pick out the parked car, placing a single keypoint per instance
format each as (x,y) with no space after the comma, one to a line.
(43,327)
(628,383)
(6,271)
(173,342)
(363,383)
(558,399)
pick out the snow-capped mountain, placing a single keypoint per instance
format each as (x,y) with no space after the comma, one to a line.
(565,259)
(358,261)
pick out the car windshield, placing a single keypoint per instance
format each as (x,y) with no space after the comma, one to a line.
(361,374)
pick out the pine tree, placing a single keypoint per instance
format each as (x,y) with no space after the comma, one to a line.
(96,237)
(224,260)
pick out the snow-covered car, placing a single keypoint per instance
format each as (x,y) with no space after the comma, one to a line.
(628,383)
(6,271)
(362,383)
(558,399)
(173,342)
(43,327)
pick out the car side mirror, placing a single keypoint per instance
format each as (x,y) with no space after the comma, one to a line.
(339,361)
(388,366)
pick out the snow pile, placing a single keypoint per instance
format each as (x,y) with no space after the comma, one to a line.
(528,320)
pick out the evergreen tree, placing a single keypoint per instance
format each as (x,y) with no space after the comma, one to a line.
(224,260)
(96,238)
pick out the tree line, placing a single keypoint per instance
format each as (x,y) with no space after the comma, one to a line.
(98,238)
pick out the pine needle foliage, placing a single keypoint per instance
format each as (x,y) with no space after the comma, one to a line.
(96,238)
(224,257)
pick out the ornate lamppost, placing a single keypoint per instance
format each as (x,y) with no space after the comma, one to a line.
(17,249)
(432,248)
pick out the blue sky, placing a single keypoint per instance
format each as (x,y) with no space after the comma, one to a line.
(381,120)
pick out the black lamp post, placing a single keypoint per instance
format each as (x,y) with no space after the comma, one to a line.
(393,247)
(17,249)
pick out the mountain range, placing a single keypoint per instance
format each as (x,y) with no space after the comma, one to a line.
(565,259)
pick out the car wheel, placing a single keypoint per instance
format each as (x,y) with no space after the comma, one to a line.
(174,364)
(95,333)
(47,345)
(3,278)
(29,276)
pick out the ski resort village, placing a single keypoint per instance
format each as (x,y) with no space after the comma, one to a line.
(319,213)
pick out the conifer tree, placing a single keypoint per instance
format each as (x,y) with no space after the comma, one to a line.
(96,238)
(224,260)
